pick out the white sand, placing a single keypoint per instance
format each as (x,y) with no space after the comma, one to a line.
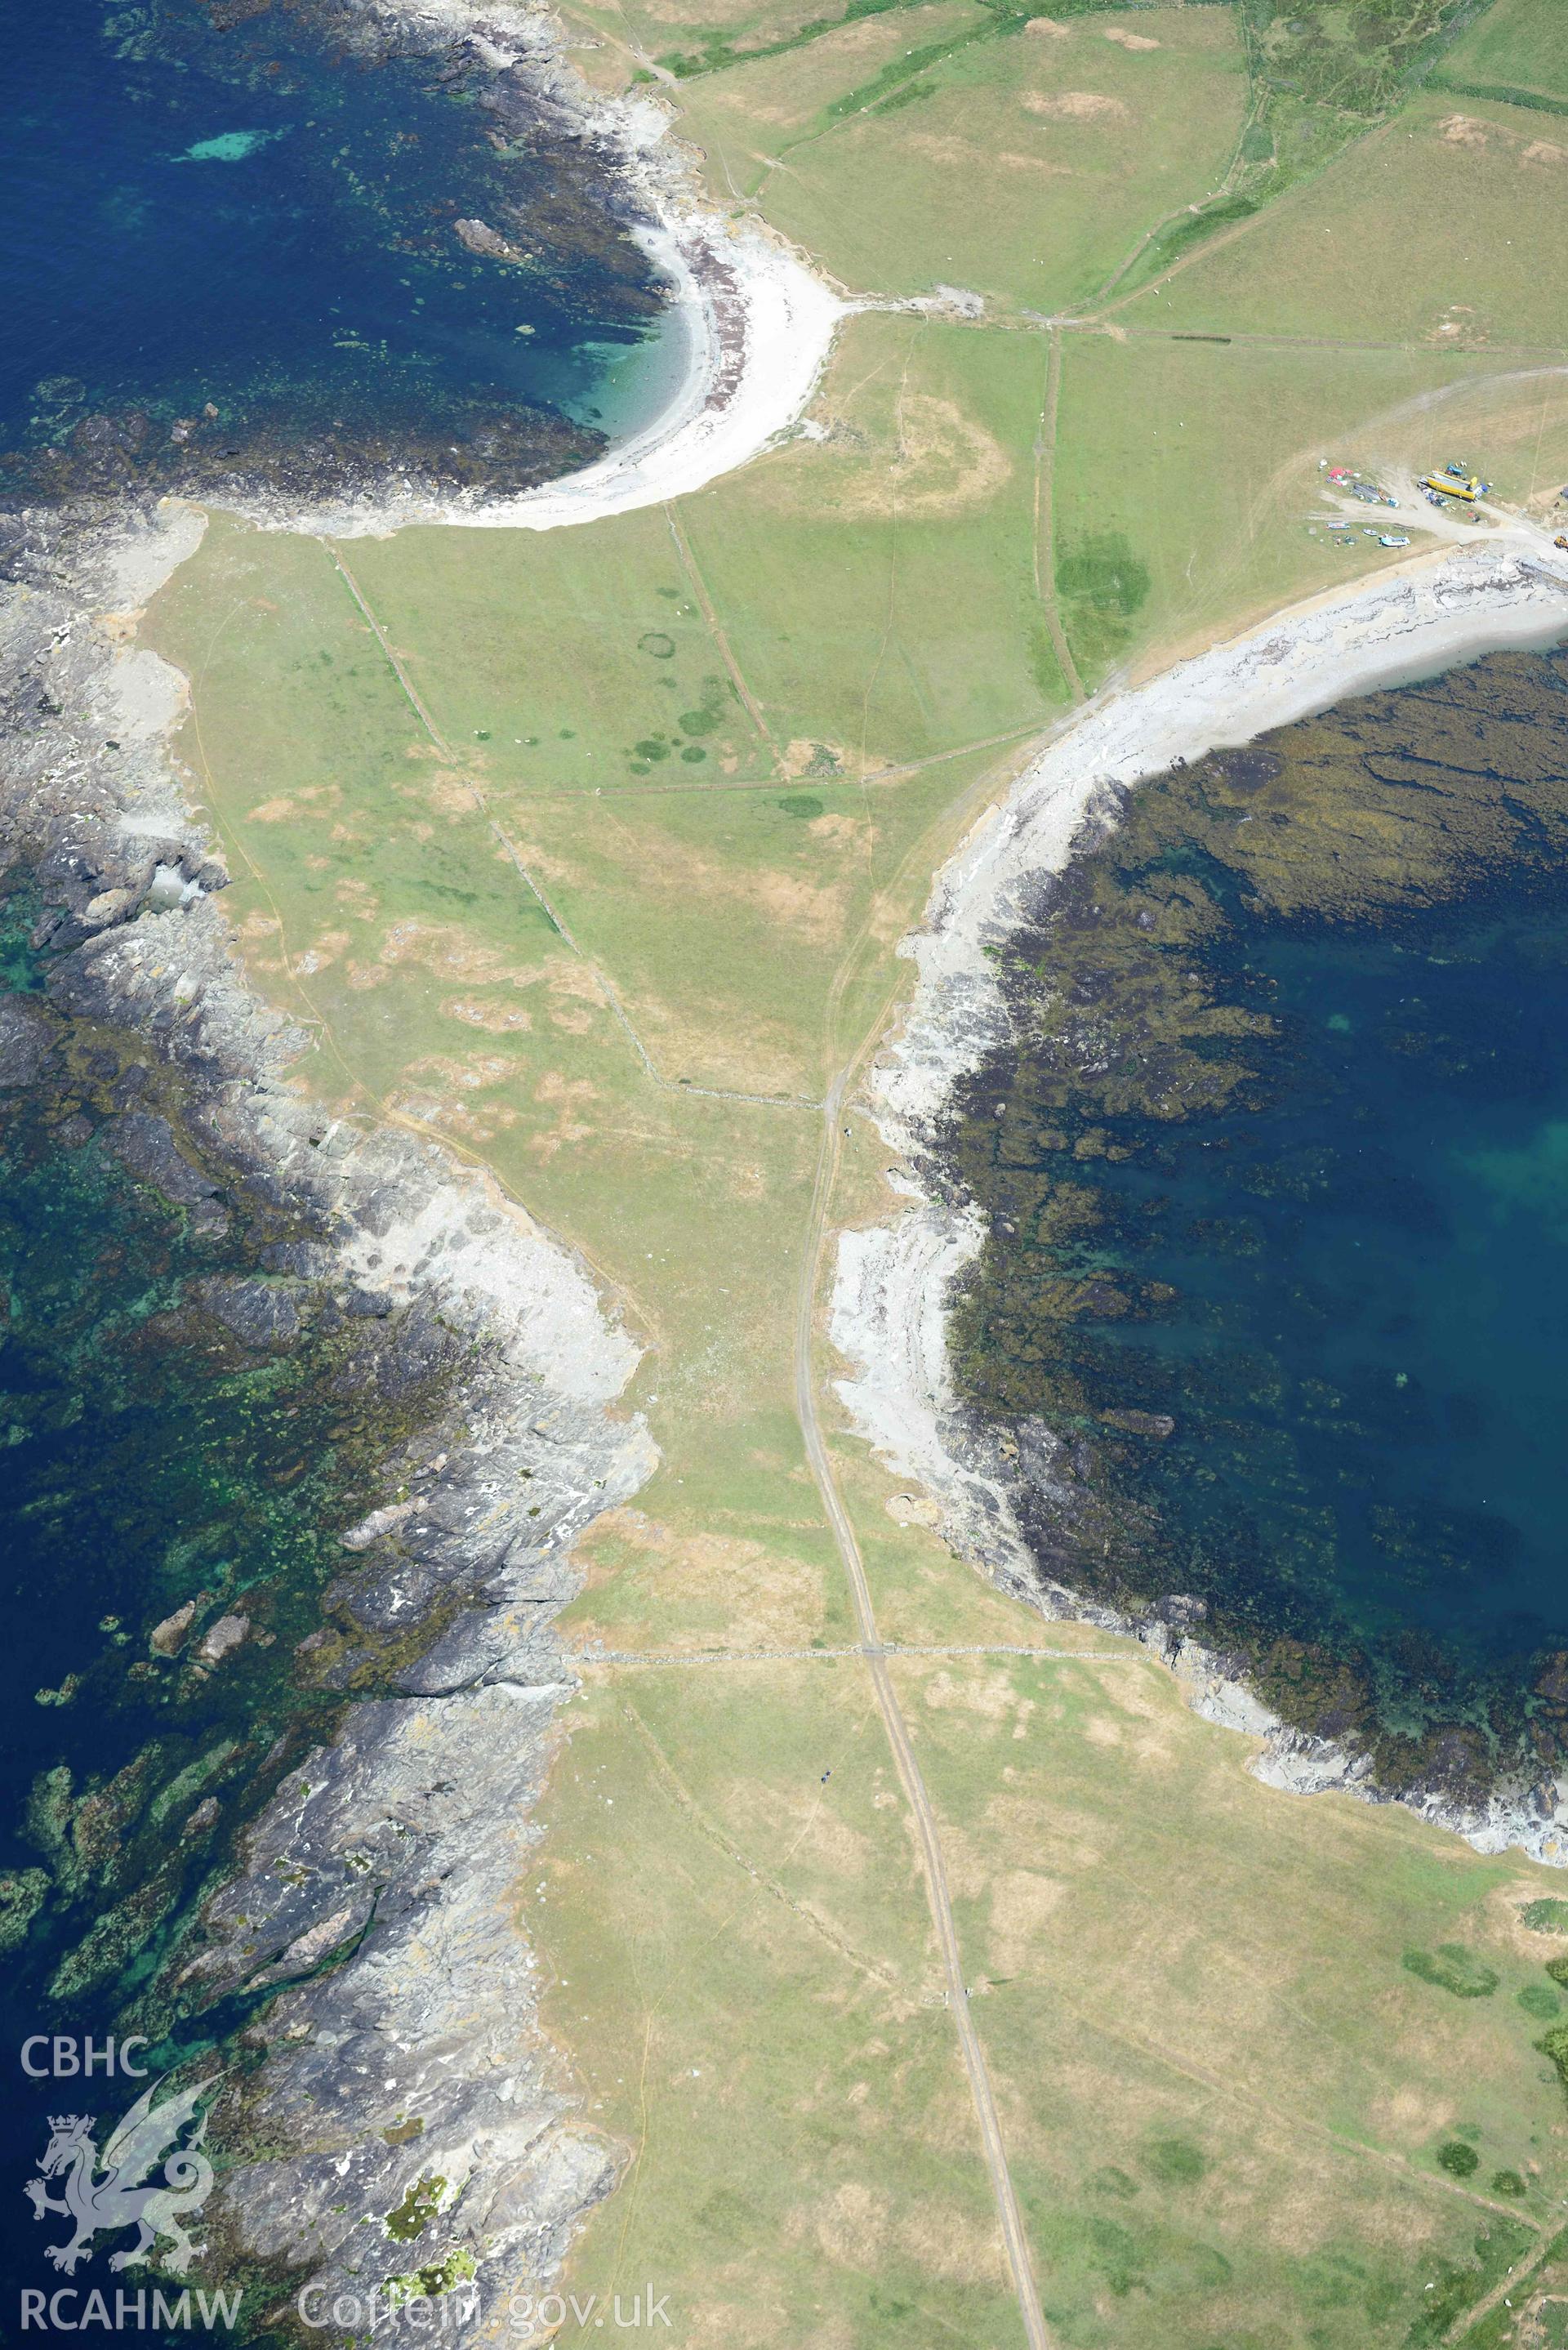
(894,1281)
(759,327)
(1391,628)
(758,322)
(1396,626)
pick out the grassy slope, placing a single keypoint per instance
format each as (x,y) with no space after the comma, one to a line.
(1234,2128)
(1466,202)
(1202,459)
(744,920)
(748,115)
(1224,2090)
(1027,165)
(1519,44)
(896,612)
(658,29)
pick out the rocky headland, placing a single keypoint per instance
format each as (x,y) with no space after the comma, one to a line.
(571,190)
(367,1955)
(387,2117)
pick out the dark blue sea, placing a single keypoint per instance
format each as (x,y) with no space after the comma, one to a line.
(234,245)
(1279,1176)
(240,245)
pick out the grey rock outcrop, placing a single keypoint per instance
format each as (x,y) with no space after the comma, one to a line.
(401,2044)
(221,1640)
(26,1040)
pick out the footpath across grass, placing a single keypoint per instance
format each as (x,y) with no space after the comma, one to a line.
(1024,158)
(1271,2073)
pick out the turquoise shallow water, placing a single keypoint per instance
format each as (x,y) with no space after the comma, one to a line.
(232,206)
(1307,1341)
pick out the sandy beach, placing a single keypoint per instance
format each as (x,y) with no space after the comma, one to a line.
(758,328)
(758,324)
(893,1281)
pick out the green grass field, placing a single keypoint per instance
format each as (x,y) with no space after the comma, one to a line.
(895,612)
(703,34)
(1225,2089)
(748,115)
(1026,165)
(1225,2093)
(1195,466)
(1441,229)
(596,875)
(1516,45)
(734,917)
(1236,2128)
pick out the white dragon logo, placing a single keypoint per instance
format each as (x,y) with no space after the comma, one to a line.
(119,2198)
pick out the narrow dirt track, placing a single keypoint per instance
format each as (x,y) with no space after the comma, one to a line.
(914,1785)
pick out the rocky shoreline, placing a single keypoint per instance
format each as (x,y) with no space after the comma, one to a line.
(896,1282)
(377,1896)
(391,2127)
(758,322)
(572,222)
(755,324)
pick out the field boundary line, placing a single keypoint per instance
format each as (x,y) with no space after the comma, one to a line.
(1016,2242)
(1269,339)
(1046,518)
(716,630)
(398,671)
(1192,2070)
(712,791)
(1269,210)
(1516,2276)
(854,1649)
(685,1801)
(557,923)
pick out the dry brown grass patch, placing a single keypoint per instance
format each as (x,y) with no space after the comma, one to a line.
(1411,2115)
(1464,130)
(499,1019)
(913,1510)
(989,1695)
(449,795)
(807,908)
(928,457)
(1077,106)
(853,2229)
(442,950)
(1023,1903)
(569,1097)
(323,950)
(292,807)
(733,1594)
(1069,1838)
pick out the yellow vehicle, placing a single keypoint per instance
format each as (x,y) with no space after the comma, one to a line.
(1449,487)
